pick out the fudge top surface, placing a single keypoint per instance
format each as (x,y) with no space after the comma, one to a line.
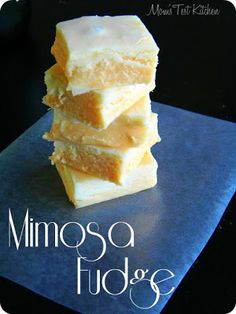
(125,34)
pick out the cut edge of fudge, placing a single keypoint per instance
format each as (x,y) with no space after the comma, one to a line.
(84,190)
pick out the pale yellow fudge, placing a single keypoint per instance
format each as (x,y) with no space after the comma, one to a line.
(130,129)
(104,162)
(100,52)
(84,190)
(96,108)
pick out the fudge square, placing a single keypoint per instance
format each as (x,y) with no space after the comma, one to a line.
(107,163)
(96,108)
(129,130)
(83,189)
(98,52)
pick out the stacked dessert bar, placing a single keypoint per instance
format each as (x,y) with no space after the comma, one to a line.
(103,127)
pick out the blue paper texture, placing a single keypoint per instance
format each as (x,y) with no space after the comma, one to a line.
(172,222)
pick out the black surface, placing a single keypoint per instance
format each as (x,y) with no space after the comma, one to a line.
(196,72)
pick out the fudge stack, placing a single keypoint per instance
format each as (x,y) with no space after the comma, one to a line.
(103,127)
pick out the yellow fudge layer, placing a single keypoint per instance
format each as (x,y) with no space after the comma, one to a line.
(130,129)
(96,108)
(104,162)
(98,52)
(84,190)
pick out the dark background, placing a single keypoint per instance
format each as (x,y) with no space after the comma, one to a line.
(196,71)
